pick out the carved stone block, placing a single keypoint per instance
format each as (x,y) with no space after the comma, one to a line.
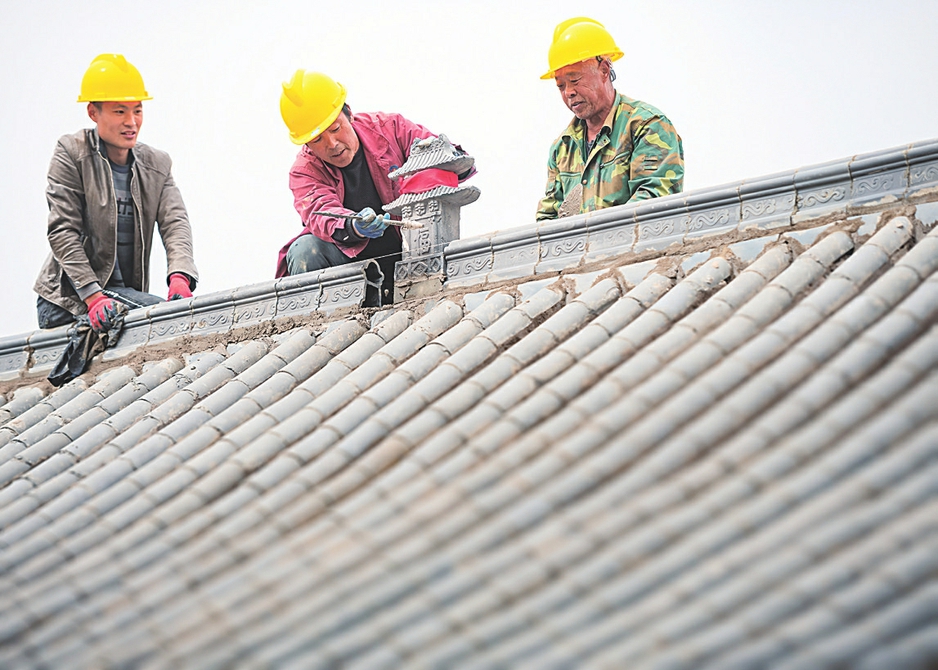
(515,254)
(437,209)
(213,313)
(922,160)
(610,241)
(767,203)
(468,261)
(822,190)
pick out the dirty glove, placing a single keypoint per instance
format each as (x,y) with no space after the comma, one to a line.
(371,225)
(100,312)
(178,287)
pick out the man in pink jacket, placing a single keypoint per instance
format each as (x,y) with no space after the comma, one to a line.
(342,168)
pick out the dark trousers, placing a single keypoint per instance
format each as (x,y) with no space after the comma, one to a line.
(309,253)
(51,315)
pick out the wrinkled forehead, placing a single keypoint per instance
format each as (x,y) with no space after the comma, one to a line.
(120,106)
(575,70)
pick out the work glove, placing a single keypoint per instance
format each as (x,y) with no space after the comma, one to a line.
(371,225)
(178,287)
(100,312)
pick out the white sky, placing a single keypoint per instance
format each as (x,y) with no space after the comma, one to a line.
(753,87)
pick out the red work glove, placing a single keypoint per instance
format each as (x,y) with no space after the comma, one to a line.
(101,310)
(178,287)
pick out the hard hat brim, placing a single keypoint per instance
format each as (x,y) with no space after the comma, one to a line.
(132,98)
(316,132)
(613,57)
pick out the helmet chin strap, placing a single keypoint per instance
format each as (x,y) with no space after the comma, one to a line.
(612,73)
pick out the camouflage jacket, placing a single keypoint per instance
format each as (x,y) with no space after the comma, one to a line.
(637,155)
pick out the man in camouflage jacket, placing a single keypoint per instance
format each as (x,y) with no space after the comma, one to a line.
(616,149)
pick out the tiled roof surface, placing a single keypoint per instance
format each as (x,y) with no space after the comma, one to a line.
(719,457)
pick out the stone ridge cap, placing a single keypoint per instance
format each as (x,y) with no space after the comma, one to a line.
(246,310)
(752,188)
(685,206)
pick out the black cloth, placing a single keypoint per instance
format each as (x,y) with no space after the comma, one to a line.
(360,192)
(83,345)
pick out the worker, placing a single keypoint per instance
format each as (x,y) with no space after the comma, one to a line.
(616,149)
(342,168)
(106,192)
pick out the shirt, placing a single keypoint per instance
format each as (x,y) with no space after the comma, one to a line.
(637,155)
(360,192)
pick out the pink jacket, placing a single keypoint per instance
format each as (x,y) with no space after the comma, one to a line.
(318,186)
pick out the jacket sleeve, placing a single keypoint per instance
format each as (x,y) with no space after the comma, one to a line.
(549,206)
(65,232)
(314,190)
(657,167)
(175,231)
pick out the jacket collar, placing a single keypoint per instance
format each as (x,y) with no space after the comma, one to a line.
(577,128)
(99,148)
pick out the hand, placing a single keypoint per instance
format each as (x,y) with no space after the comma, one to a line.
(178,287)
(101,310)
(371,225)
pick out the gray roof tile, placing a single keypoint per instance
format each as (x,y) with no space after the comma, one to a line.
(723,467)
(917,651)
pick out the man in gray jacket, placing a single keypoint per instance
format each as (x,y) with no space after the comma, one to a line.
(106,193)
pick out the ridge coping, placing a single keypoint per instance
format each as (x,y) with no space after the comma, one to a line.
(839,188)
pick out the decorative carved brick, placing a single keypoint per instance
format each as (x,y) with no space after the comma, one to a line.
(437,209)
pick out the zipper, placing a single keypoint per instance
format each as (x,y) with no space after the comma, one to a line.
(113,201)
(138,219)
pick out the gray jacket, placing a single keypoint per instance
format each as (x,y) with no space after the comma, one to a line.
(82,228)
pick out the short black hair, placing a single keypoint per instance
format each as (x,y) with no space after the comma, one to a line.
(347,110)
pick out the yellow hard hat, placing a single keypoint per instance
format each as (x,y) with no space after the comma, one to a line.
(110,78)
(579,39)
(309,104)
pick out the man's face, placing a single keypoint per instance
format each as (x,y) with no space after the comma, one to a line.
(584,88)
(118,122)
(337,145)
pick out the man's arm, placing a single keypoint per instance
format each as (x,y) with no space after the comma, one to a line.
(314,190)
(175,231)
(657,167)
(65,230)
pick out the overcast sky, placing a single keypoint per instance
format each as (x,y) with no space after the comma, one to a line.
(752,87)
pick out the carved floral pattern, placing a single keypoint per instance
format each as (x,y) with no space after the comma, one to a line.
(255,312)
(469,266)
(517,255)
(824,196)
(47,356)
(759,208)
(345,293)
(720,217)
(296,303)
(923,173)
(619,237)
(137,335)
(876,183)
(13,362)
(656,229)
(563,247)
(170,328)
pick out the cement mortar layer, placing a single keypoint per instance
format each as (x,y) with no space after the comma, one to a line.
(587,243)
